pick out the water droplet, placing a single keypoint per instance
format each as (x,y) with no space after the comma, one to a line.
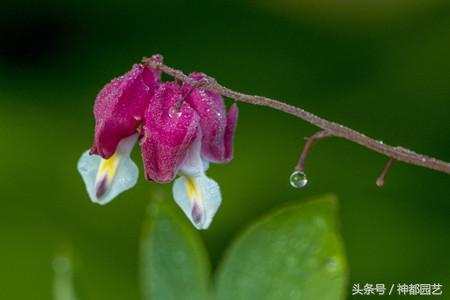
(298,179)
(174,112)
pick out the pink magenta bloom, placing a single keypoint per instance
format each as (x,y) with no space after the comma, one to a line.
(167,133)
(119,107)
(181,129)
(217,127)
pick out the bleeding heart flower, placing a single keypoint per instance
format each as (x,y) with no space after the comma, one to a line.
(119,107)
(217,127)
(107,168)
(182,130)
(171,144)
(168,132)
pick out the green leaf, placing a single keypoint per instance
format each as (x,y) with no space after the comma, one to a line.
(293,253)
(173,259)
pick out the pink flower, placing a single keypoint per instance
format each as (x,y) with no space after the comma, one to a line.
(181,130)
(217,127)
(184,140)
(167,133)
(119,107)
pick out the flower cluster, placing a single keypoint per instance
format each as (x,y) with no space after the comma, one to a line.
(180,129)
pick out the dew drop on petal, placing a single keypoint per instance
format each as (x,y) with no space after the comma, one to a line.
(298,179)
(174,112)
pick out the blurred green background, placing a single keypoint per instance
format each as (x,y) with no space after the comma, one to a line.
(381,67)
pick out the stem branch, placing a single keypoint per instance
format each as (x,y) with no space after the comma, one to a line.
(335,129)
(310,141)
(380,179)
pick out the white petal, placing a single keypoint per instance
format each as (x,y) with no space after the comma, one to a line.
(105,179)
(126,145)
(199,197)
(194,164)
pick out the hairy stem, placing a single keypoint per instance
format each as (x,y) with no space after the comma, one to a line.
(335,129)
(380,179)
(310,141)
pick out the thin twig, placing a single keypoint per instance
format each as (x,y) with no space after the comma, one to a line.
(335,129)
(311,140)
(380,179)
(198,84)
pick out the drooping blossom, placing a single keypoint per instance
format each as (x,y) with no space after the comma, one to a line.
(119,107)
(184,140)
(216,125)
(181,130)
(107,168)
(167,132)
